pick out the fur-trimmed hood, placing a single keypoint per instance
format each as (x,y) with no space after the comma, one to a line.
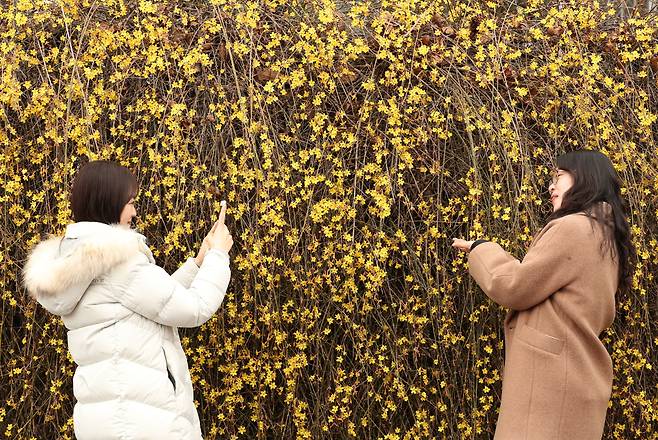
(60,269)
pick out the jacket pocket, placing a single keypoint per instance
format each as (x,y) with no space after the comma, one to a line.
(171,377)
(539,340)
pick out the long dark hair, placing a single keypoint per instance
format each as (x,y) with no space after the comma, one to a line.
(596,181)
(100,191)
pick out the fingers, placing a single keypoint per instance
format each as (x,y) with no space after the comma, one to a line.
(214,227)
(219,236)
(460,244)
(221,219)
(222,213)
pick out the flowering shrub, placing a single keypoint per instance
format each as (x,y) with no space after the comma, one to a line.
(352,140)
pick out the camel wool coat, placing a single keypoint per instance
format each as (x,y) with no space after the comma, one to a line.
(557,377)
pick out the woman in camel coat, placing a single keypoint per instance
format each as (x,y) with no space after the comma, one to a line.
(558,375)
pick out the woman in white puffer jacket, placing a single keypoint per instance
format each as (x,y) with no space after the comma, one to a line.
(122,311)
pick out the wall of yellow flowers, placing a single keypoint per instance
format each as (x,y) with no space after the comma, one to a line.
(352,140)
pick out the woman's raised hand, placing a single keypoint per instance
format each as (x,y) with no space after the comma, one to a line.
(218,237)
(462,245)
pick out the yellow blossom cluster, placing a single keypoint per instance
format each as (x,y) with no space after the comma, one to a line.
(352,140)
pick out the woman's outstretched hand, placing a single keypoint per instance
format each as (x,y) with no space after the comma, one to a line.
(462,245)
(219,237)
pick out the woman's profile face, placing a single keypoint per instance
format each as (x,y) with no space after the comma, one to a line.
(561,183)
(128,213)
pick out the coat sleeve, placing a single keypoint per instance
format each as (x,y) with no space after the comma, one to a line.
(156,295)
(186,273)
(550,264)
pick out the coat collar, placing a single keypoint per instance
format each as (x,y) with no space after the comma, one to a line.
(61,268)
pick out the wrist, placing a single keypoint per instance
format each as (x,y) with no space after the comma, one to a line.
(476,243)
(219,251)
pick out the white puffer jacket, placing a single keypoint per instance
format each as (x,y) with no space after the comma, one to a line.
(122,312)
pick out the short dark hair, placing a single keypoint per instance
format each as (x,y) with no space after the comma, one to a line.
(100,191)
